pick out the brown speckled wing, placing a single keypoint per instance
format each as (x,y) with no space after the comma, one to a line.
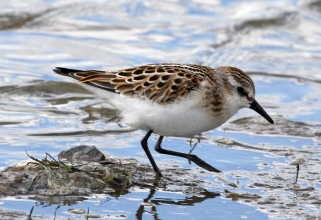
(161,83)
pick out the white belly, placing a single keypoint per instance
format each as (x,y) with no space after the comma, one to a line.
(185,118)
(182,119)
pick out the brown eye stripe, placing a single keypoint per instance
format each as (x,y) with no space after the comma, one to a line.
(239,75)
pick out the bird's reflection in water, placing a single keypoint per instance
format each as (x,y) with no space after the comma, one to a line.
(152,202)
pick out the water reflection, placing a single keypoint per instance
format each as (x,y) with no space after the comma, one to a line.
(152,203)
(148,205)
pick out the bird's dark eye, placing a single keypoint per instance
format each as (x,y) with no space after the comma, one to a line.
(240,90)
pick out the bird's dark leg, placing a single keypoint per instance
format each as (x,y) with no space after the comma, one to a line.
(191,157)
(149,155)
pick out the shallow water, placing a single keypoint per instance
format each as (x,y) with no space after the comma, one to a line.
(277,42)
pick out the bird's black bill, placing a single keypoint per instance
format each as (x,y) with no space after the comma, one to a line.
(256,107)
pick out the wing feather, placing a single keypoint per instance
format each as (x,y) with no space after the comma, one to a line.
(161,83)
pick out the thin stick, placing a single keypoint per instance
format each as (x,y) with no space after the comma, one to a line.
(297,173)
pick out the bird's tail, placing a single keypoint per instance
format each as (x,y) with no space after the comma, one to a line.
(67,72)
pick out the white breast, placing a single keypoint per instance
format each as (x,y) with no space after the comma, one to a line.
(184,118)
